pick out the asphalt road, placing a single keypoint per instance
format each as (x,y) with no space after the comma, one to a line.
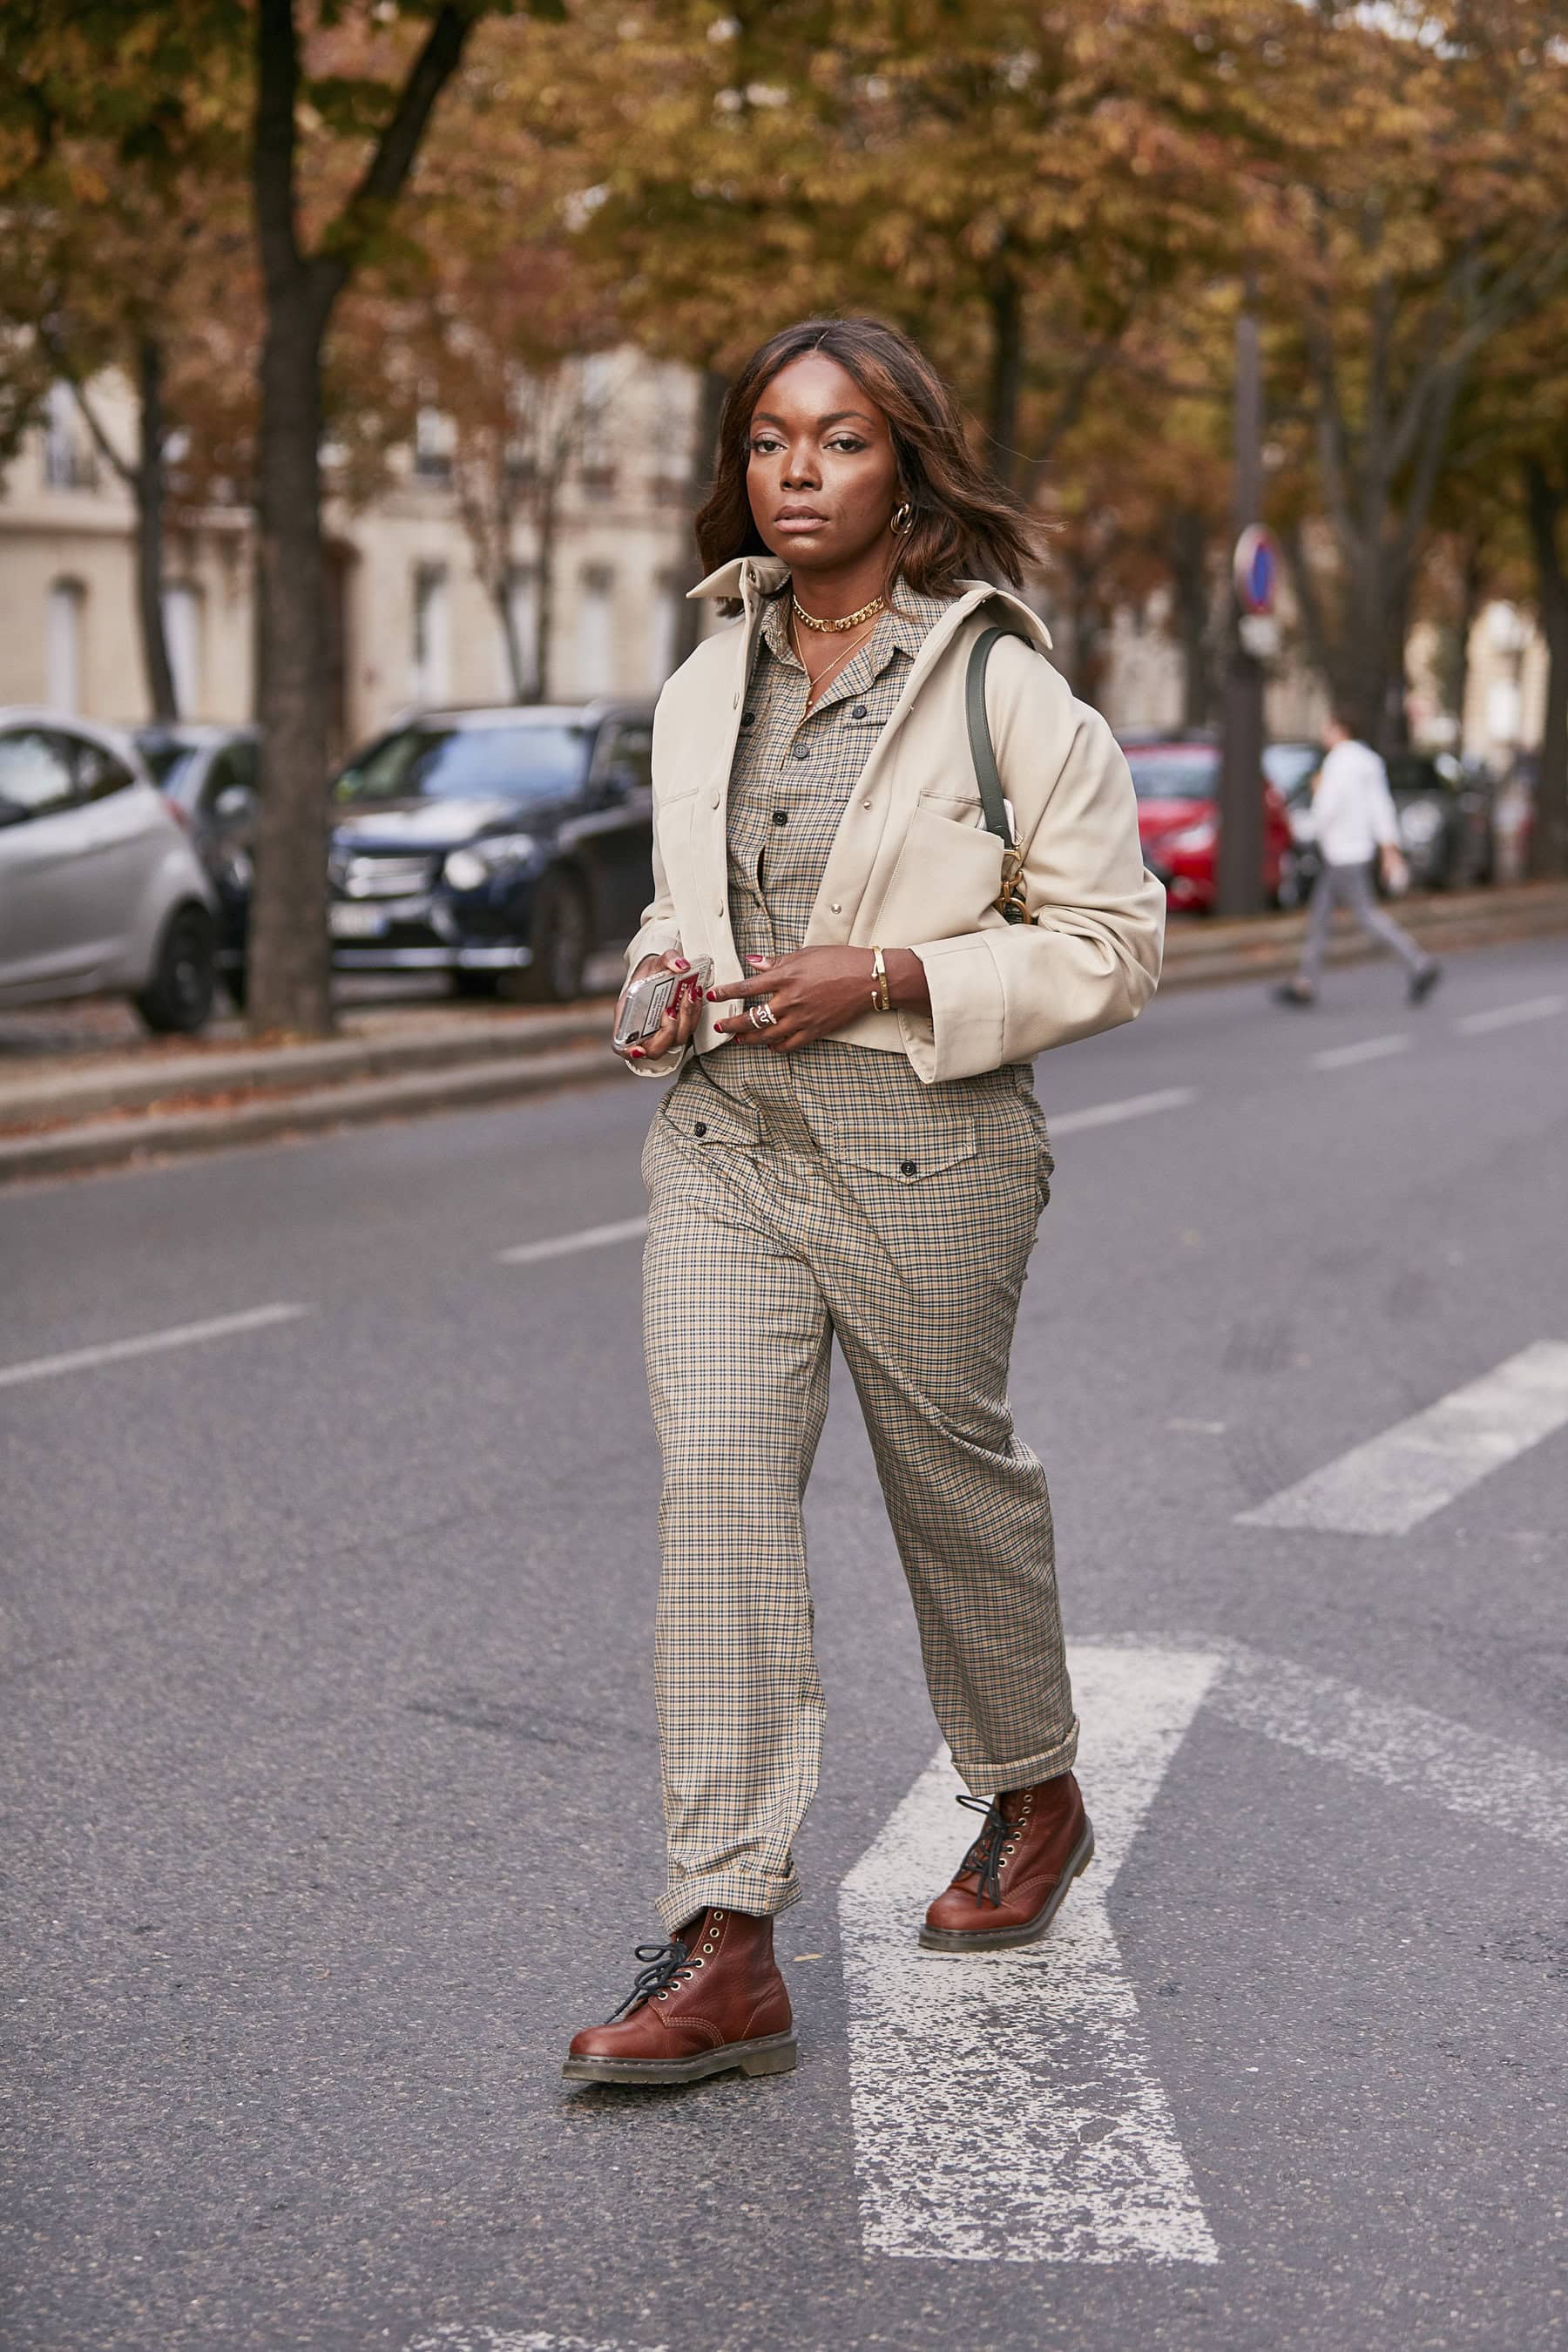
(332,1799)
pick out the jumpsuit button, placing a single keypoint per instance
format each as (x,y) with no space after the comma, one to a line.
(909,1168)
(858,712)
(780,816)
(748,717)
(803,751)
(701,1127)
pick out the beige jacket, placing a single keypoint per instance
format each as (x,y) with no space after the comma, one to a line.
(912,865)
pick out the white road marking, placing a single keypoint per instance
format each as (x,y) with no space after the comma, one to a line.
(1197,1428)
(1514,1790)
(1392,1483)
(1111,1114)
(1534,1008)
(151,1343)
(1370,1049)
(1005,2106)
(457,2336)
(563,1244)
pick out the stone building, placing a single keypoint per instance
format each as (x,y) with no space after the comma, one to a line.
(410,623)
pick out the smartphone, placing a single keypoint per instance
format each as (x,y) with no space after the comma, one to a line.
(646,1004)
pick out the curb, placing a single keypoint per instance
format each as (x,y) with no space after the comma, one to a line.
(348,1082)
(75,1150)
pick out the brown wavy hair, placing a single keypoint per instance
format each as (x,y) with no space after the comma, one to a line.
(966,525)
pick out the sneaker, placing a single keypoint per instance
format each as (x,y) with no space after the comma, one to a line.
(1291,991)
(1423,982)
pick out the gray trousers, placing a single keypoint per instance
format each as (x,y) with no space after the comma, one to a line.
(1350,886)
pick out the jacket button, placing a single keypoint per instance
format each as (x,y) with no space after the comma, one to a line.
(837,908)
(718,910)
(716,798)
(909,1168)
(864,804)
(701,1127)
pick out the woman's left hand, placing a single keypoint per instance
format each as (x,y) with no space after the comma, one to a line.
(814,993)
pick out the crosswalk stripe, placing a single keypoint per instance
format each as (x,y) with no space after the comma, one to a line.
(1504,1016)
(1515,1790)
(565,1245)
(1004,2108)
(1392,1483)
(148,1343)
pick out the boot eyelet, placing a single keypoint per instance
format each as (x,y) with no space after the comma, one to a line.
(696,1963)
(718,1915)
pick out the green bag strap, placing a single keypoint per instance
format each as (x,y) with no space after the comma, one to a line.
(980,748)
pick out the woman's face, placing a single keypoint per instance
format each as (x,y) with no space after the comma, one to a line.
(822,475)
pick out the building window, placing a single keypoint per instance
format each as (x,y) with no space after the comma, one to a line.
(597,465)
(430,671)
(666,613)
(596,630)
(63,634)
(69,463)
(433,444)
(183,636)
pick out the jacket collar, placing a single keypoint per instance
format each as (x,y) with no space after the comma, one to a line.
(751,577)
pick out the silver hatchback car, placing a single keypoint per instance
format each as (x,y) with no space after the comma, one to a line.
(100,890)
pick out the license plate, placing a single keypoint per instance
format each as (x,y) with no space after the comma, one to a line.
(358,922)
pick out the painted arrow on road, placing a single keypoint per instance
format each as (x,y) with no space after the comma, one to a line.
(1004,2108)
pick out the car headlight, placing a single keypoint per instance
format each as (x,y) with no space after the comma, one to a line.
(1419,825)
(471,868)
(1193,839)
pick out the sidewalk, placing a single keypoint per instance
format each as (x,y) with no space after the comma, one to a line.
(80,1090)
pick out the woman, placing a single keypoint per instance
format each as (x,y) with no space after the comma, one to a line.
(852,1147)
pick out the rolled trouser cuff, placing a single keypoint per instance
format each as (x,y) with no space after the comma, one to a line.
(753,1892)
(984,1779)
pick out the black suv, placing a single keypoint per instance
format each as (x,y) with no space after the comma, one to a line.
(490,842)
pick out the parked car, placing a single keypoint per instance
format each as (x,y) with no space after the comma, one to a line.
(1176,780)
(100,888)
(495,843)
(212,776)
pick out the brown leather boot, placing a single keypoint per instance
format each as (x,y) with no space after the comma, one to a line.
(710,2000)
(1014,1879)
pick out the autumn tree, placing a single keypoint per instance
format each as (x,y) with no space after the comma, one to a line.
(1423,213)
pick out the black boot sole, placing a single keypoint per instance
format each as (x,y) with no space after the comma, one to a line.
(770,2053)
(1001,1939)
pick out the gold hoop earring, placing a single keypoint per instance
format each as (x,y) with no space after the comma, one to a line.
(903,517)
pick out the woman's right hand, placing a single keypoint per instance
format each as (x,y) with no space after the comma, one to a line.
(680,1021)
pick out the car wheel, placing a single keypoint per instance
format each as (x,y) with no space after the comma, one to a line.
(560,943)
(475,983)
(178,998)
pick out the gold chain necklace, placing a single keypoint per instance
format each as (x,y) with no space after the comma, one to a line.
(814,686)
(877,604)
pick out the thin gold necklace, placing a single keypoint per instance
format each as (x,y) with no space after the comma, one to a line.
(877,604)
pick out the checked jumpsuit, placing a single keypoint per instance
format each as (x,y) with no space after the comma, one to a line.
(798,1197)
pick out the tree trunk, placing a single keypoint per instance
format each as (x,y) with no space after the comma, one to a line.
(1190,584)
(711,388)
(1005,301)
(500,597)
(544,596)
(1547,501)
(290,951)
(149,489)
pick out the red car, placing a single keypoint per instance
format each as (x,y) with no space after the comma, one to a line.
(1177,784)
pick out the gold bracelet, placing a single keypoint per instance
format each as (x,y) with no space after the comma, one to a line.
(880,996)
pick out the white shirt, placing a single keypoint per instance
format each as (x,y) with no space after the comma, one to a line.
(1352,808)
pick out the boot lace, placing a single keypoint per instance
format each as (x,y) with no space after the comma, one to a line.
(667,1965)
(984,1856)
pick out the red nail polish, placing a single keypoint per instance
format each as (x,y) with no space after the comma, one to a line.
(712,994)
(682,964)
(634,1053)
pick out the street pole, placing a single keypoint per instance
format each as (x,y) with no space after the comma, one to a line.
(1240,874)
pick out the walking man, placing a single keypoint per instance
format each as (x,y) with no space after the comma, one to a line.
(1355,818)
